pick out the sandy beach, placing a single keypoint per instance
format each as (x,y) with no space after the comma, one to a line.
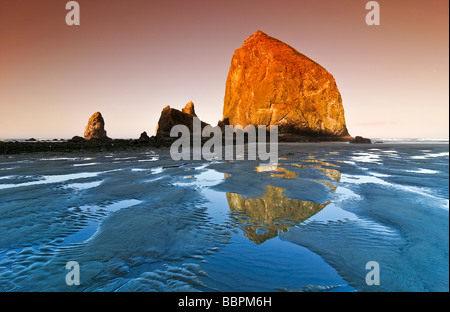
(139,221)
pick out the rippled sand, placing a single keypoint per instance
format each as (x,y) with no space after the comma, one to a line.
(143,222)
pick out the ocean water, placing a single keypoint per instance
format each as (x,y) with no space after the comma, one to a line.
(143,222)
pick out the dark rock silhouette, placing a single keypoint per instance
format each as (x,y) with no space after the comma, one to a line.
(144,136)
(77,139)
(361,140)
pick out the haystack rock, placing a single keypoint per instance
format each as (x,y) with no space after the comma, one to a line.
(271,83)
(95,128)
(171,117)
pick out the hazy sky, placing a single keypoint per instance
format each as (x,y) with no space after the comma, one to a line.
(130,58)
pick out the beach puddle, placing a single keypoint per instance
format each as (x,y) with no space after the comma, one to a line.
(52,179)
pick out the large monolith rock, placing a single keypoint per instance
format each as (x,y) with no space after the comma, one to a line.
(271,83)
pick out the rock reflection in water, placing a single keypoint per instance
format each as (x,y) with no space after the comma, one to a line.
(263,217)
(282,172)
(332,174)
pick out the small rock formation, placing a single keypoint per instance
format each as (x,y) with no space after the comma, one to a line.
(171,117)
(189,109)
(77,139)
(361,140)
(144,136)
(95,128)
(271,83)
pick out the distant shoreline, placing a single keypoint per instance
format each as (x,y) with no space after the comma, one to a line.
(62,146)
(386,140)
(70,147)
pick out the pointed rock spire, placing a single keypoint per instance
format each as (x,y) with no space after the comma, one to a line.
(95,128)
(171,117)
(189,109)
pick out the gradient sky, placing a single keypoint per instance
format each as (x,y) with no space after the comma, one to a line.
(130,58)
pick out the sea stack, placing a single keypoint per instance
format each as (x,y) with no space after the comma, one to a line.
(144,136)
(95,129)
(171,117)
(189,109)
(270,83)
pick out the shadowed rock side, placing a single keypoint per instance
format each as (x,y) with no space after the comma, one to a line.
(95,128)
(270,210)
(270,83)
(144,136)
(171,117)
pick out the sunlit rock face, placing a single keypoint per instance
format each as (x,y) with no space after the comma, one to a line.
(171,117)
(95,128)
(269,214)
(189,109)
(270,83)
